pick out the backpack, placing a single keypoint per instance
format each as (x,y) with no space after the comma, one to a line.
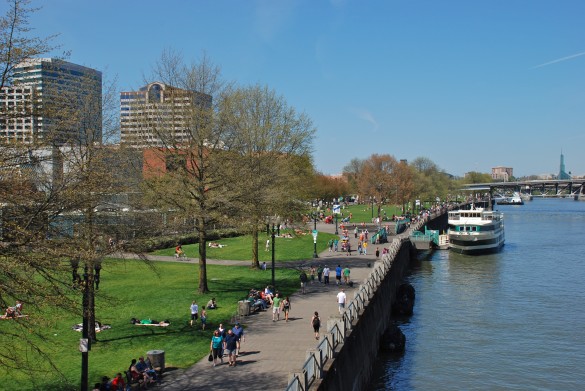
(316,321)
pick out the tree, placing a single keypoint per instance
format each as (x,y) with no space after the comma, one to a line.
(267,137)
(188,167)
(328,188)
(352,173)
(431,182)
(378,179)
(16,43)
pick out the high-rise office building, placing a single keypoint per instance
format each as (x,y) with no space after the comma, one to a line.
(53,102)
(159,115)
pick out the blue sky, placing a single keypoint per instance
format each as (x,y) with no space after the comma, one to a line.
(468,84)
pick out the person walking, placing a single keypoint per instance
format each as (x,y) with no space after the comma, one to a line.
(320,273)
(238,331)
(222,333)
(304,280)
(203,319)
(326,275)
(276,306)
(346,275)
(216,347)
(316,323)
(338,271)
(341,298)
(194,312)
(231,341)
(365,247)
(286,308)
(377,252)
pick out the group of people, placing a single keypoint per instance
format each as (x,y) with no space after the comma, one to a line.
(226,342)
(139,372)
(211,305)
(342,275)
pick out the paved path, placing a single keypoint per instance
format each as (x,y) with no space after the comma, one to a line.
(272,350)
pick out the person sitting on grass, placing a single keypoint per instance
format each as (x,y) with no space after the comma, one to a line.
(118,383)
(211,304)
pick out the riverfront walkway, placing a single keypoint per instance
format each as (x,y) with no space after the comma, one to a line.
(273,350)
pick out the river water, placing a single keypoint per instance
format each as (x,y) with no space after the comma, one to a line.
(514,320)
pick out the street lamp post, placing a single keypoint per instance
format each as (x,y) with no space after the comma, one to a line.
(273,279)
(372,199)
(315,236)
(84,343)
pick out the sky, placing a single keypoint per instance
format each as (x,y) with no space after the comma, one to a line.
(468,84)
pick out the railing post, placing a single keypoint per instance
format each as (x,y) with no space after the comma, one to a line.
(318,356)
(337,320)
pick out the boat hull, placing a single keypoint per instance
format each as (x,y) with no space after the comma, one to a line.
(472,244)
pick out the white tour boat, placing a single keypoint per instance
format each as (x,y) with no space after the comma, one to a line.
(476,231)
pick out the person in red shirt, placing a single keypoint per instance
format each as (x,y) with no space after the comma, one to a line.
(118,383)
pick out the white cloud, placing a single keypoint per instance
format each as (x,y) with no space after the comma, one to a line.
(560,60)
(366,115)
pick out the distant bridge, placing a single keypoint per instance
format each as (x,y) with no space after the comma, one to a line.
(536,188)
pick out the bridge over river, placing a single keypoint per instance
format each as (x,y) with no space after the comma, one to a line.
(562,188)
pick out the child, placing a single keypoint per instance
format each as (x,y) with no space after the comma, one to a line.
(203,319)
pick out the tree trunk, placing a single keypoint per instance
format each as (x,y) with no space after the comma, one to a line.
(255,262)
(91,305)
(203,288)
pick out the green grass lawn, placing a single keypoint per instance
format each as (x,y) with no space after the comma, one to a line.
(297,248)
(363,213)
(134,289)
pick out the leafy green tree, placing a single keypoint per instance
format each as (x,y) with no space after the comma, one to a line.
(267,139)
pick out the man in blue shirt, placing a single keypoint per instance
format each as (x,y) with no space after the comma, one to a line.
(338,271)
(239,333)
(231,341)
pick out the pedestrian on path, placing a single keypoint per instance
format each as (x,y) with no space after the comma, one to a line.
(320,273)
(313,272)
(231,341)
(238,331)
(267,245)
(346,275)
(338,271)
(365,247)
(316,323)
(341,298)
(286,307)
(276,306)
(194,312)
(326,275)
(216,347)
(377,252)
(304,280)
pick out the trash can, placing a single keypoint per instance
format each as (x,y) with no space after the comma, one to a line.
(157,359)
(243,308)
